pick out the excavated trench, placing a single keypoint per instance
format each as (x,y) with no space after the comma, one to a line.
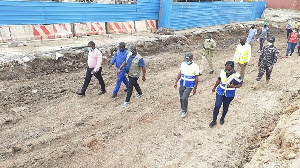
(74,60)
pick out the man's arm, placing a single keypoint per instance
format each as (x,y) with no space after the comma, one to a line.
(144,73)
(99,62)
(122,66)
(177,79)
(249,55)
(214,45)
(217,83)
(196,84)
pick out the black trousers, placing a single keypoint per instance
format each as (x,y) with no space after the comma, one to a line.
(88,77)
(132,83)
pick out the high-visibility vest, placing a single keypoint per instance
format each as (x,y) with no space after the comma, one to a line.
(223,88)
(242,53)
(188,73)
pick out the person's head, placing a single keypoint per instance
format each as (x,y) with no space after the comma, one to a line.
(243,40)
(188,58)
(122,46)
(208,37)
(252,26)
(295,30)
(265,24)
(133,50)
(91,45)
(271,41)
(229,67)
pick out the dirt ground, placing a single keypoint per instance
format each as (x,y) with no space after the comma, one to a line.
(43,123)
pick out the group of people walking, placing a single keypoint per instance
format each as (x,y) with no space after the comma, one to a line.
(229,79)
(132,64)
(126,62)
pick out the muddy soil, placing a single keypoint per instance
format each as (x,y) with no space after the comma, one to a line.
(45,124)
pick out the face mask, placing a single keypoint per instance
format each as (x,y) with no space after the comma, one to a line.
(294,31)
(270,43)
(122,49)
(90,48)
(208,40)
(188,62)
(228,72)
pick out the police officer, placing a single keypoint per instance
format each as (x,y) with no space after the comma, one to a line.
(267,60)
(208,48)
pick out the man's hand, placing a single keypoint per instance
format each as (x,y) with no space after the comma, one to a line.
(109,66)
(119,71)
(175,85)
(194,90)
(258,64)
(271,68)
(94,73)
(245,64)
(144,78)
(213,90)
(231,85)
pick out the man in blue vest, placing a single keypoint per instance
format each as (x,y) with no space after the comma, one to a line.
(134,64)
(119,58)
(188,75)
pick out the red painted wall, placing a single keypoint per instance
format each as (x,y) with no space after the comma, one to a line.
(286,4)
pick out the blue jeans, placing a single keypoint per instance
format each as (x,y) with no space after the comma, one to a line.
(291,46)
(219,100)
(262,40)
(121,78)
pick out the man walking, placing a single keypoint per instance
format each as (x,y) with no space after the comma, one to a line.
(188,75)
(119,58)
(242,55)
(94,68)
(251,35)
(207,54)
(264,34)
(134,64)
(267,60)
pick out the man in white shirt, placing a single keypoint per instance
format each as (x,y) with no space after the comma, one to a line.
(188,75)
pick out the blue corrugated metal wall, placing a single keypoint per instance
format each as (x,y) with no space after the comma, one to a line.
(39,12)
(172,15)
(199,14)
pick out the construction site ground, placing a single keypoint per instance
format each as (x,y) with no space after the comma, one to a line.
(43,123)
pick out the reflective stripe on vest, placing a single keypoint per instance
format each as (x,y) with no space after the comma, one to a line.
(223,86)
(187,81)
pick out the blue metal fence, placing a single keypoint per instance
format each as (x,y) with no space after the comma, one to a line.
(171,15)
(199,14)
(39,12)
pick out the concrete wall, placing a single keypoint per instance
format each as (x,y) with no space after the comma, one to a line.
(285,4)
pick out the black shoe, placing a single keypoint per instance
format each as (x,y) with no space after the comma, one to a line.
(200,74)
(81,93)
(114,96)
(125,90)
(101,93)
(222,121)
(211,72)
(213,123)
